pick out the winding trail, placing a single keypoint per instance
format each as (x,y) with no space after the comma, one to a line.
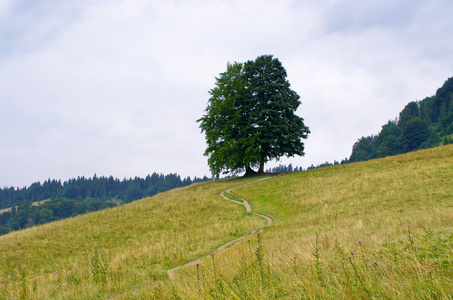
(172,273)
(269,219)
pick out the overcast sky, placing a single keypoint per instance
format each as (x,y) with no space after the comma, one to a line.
(115,87)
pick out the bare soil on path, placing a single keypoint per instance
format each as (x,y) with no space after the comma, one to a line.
(270,220)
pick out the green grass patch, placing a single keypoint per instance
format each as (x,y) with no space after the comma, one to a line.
(380,229)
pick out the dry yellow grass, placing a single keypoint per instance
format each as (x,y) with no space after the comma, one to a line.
(134,245)
(380,229)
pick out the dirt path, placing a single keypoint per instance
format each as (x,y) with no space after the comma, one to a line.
(172,273)
(269,219)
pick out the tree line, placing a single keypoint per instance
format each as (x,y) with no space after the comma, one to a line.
(421,124)
(78,196)
(103,188)
(284,169)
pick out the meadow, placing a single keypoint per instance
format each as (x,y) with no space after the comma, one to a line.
(381,229)
(106,253)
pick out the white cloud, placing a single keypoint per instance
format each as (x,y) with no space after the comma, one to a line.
(114,88)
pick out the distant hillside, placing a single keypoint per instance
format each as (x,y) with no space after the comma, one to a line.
(421,124)
(104,188)
(78,196)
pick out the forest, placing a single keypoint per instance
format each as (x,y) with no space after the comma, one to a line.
(421,124)
(78,196)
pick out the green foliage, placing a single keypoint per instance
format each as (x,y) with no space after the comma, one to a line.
(231,143)
(250,117)
(414,133)
(447,140)
(104,188)
(421,124)
(446,124)
(388,142)
(408,113)
(362,149)
(272,106)
(4,229)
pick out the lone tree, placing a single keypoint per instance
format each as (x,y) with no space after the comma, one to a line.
(250,117)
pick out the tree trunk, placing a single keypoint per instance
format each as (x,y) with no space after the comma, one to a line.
(261,169)
(249,172)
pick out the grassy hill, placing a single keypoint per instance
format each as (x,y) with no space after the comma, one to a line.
(377,229)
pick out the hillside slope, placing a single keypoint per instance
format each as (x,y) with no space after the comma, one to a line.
(376,229)
(105,253)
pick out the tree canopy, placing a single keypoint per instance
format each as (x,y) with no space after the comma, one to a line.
(250,117)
